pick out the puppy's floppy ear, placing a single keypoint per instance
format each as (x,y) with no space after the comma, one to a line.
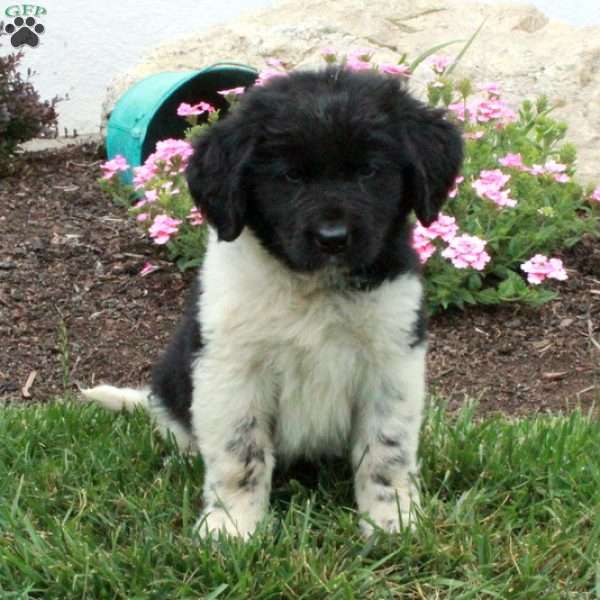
(435,149)
(215,175)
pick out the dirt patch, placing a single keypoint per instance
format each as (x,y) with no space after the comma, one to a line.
(74,309)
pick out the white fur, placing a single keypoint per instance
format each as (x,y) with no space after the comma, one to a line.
(117,399)
(333,368)
(114,398)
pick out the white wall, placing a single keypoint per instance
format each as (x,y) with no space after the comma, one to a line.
(86,44)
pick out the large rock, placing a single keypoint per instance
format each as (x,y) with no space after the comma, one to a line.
(518,47)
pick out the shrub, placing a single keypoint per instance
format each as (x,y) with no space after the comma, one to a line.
(515,202)
(23,115)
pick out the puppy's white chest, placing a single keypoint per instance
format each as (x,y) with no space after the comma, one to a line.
(316,387)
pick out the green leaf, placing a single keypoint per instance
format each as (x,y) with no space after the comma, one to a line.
(464,50)
(430,52)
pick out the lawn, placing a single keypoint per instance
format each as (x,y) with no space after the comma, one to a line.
(94,505)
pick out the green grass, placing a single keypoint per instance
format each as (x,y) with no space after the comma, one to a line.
(93,505)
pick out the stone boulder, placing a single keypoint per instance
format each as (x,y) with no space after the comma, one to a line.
(518,47)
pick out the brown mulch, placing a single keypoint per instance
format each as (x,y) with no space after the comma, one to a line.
(74,309)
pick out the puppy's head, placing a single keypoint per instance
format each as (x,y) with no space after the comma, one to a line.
(324,167)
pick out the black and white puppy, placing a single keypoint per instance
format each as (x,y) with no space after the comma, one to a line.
(308,334)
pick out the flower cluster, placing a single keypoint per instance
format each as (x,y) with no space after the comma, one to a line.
(169,158)
(552,168)
(275,68)
(490,185)
(439,63)
(111,167)
(484,111)
(163,228)
(187,110)
(541,267)
(467,251)
(463,251)
(360,59)
(162,203)
(473,252)
(232,92)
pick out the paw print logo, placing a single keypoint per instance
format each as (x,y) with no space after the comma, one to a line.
(25,32)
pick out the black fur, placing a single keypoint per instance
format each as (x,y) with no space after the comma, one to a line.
(312,150)
(171,375)
(328,147)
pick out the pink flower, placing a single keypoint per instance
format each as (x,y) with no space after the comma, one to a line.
(439,63)
(187,110)
(148,268)
(493,89)
(596,195)
(163,228)
(167,186)
(467,251)
(111,167)
(473,135)
(195,217)
(422,243)
(170,154)
(328,53)
(149,197)
(540,267)
(236,91)
(391,69)
(514,161)
(363,54)
(466,112)
(501,198)
(454,191)
(536,170)
(275,63)
(495,109)
(267,74)
(460,110)
(444,227)
(557,170)
(142,217)
(167,150)
(356,64)
(552,166)
(143,174)
(490,184)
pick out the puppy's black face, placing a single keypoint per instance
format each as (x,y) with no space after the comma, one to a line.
(325,184)
(324,168)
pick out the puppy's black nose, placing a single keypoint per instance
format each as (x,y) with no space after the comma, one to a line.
(332,238)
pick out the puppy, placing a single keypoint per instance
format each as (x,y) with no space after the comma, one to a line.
(308,335)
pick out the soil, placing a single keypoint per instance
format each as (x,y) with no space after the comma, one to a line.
(74,309)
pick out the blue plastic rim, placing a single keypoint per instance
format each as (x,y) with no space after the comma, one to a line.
(147,112)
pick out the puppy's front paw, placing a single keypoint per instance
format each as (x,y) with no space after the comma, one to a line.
(390,512)
(219,521)
(385,517)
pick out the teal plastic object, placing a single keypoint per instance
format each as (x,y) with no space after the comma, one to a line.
(147,112)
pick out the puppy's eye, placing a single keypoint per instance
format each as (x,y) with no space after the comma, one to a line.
(366,172)
(294,176)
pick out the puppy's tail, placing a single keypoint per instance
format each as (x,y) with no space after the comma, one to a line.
(114,398)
